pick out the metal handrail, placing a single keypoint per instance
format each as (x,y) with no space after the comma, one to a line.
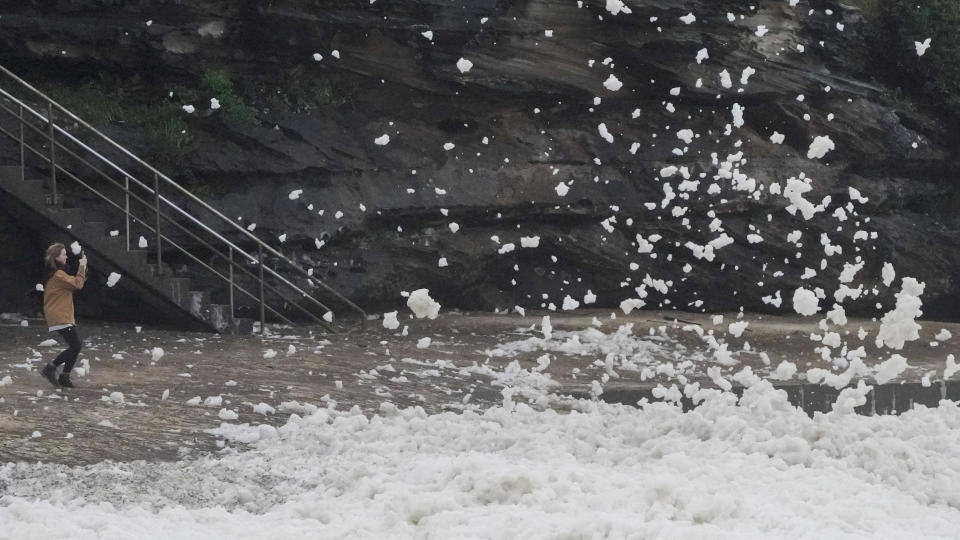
(170,241)
(261,246)
(169,203)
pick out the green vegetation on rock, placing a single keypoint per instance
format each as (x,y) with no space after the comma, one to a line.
(233,109)
(107,98)
(299,89)
(156,110)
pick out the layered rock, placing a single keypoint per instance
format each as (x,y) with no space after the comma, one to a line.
(525,118)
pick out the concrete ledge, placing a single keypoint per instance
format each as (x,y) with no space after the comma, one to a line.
(890,398)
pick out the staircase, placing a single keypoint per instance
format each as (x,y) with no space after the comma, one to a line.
(59,154)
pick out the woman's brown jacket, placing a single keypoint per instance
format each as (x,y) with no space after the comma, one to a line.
(58,296)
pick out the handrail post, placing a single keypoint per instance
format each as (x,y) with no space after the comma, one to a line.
(156,195)
(232,311)
(263,327)
(28,111)
(53,153)
(126,207)
(23,157)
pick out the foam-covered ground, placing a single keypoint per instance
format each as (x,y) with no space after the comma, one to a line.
(754,469)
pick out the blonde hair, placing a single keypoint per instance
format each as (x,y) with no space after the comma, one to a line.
(50,259)
(50,265)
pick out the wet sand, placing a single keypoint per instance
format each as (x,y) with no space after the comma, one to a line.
(355,367)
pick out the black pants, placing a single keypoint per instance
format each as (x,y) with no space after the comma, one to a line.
(69,356)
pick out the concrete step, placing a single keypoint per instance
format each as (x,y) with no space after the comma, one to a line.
(137,257)
(28,191)
(888,398)
(10,172)
(95,233)
(165,268)
(198,303)
(220,317)
(94,229)
(72,217)
(177,289)
(241,326)
(49,199)
(116,244)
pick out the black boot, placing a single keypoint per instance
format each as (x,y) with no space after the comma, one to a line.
(49,373)
(65,380)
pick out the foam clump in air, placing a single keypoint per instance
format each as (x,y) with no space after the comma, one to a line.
(529,241)
(725,80)
(668,171)
(805,302)
(631,304)
(612,83)
(951,367)
(737,328)
(888,274)
(890,368)
(617,6)
(898,325)
(819,147)
(794,193)
(605,133)
(737,111)
(422,305)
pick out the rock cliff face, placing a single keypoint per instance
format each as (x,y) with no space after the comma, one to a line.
(526,118)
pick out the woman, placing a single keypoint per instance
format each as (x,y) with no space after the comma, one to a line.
(58,287)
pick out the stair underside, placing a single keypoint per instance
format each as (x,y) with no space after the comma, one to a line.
(173,295)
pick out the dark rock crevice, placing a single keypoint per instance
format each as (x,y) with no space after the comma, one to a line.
(531,99)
